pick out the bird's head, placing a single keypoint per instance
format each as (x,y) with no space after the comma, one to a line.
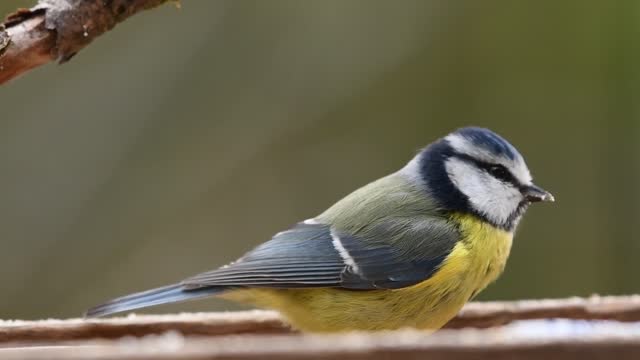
(474,170)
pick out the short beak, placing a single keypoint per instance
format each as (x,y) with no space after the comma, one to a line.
(533,193)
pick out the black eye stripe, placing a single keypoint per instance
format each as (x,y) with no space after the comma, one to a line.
(500,172)
(496,170)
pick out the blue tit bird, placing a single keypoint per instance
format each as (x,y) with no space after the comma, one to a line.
(407,250)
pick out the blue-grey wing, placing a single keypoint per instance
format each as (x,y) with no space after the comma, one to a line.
(316,255)
(301,256)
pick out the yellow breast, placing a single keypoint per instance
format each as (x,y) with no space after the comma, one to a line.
(477,260)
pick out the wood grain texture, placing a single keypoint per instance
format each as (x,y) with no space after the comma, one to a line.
(474,315)
(488,314)
(611,342)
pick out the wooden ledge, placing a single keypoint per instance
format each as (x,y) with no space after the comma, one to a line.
(595,327)
(476,315)
(528,339)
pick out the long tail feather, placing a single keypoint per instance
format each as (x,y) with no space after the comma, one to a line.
(158,296)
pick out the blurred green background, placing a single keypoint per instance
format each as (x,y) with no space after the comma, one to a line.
(185,137)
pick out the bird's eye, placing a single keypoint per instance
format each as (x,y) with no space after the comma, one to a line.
(499,172)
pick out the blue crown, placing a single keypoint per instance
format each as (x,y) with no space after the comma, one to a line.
(487,139)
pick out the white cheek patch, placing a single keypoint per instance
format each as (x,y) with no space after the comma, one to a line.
(489,196)
(517,166)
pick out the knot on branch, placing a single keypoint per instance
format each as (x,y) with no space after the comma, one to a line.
(4,39)
(77,22)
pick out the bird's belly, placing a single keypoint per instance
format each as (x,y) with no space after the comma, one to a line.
(329,310)
(471,266)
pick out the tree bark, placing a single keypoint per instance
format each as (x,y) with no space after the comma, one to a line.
(55,30)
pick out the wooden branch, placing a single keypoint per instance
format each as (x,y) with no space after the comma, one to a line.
(205,324)
(476,315)
(55,30)
(488,314)
(525,340)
